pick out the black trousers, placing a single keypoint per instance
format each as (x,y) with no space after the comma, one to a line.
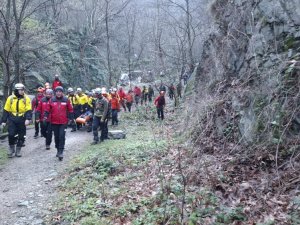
(37,126)
(123,104)
(98,124)
(160,112)
(150,98)
(129,104)
(46,131)
(77,113)
(59,131)
(16,130)
(114,117)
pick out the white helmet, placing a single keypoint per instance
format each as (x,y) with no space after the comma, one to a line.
(98,91)
(79,89)
(103,90)
(19,86)
(70,90)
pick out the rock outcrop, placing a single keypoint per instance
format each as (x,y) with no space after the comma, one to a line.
(250,66)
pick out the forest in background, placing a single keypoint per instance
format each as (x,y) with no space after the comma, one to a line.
(95,41)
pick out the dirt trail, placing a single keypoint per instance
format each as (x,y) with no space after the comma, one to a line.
(27,184)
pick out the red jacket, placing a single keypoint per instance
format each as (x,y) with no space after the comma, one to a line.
(115,104)
(137,91)
(160,101)
(35,101)
(129,97)
(121,94)
(60,110)
(56,83)
(42,106)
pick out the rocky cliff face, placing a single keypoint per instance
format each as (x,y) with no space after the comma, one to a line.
(250,67)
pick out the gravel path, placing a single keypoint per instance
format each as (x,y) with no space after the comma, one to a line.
(27,184)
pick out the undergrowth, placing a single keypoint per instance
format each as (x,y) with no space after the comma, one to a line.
(139,180)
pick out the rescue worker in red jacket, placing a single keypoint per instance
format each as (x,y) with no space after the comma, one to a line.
(122,96)
(129,100)
(137,94)
(56,82)
(60,111)
(115,108)
(46,129)
(160,103)
(34,104)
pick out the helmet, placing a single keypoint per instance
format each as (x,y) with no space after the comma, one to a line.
(79,89)
(49,92)
(70,90)
(98,91)
(114,89)
(59,88)
(103,90)
(87,92)
(19,86)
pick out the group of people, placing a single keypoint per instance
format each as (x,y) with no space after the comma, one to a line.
(55,109)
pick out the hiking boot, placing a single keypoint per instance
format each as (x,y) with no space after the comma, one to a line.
(11,151)
(94,142)
(73,130)
(60,155)
(18,151)
(47,147)
(36,135)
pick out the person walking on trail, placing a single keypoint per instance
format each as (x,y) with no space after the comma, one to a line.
(75,103)
(179,89)
(34,104)
(160,103)
(144,95)
(185,78)
(108,114)
(46,129)
(162,88)
(100,106)
(60,111)
(17,114)
(129,100)
(150,93)
(56,82)
(137,94)
(122,96)
(115,108)
(171,91)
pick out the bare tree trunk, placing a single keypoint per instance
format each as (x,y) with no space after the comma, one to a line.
(108,43)
(5,54)
(189,36)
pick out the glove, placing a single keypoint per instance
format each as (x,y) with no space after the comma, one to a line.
(27,122)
